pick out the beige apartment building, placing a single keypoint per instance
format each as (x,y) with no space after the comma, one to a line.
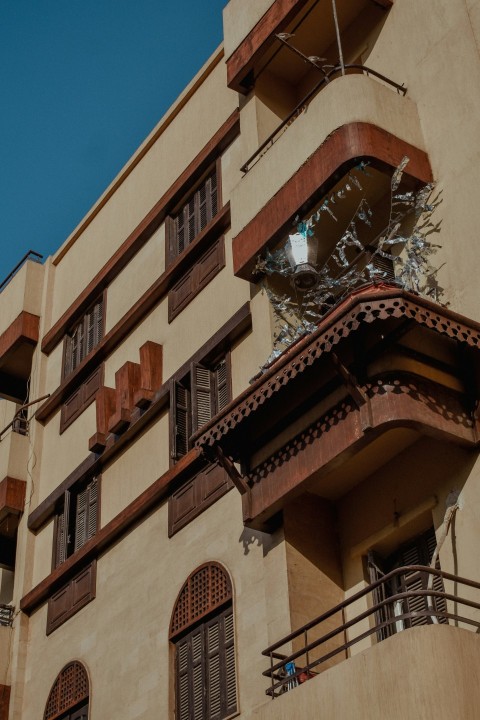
(239,470)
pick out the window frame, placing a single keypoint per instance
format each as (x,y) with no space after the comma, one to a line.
(68,507)
(193,391)
(97,328)
(205,601)
(172,252)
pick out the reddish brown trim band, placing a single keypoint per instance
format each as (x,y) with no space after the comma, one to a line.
(109,534)
(401,400)
(135,241)
(336,155)
(4,701)
(12,497)
(134,315)
(24,329)
(277,17)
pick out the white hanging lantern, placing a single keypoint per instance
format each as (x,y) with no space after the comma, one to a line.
(301,252)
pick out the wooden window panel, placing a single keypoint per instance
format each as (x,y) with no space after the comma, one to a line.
(196,278)
(72,597)
(70,689)
(86,335)
(196,495)
(180,419)
(77,521)
(194,215)
(74,406)
(205,670)
(195,400)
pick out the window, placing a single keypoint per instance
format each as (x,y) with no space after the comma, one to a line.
(68,699)
(77,520)
(203,634)
(194,215)
(195,399)
(86,334)
(418,551)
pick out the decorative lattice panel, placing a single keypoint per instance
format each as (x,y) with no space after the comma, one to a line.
(206,589)
(70,687)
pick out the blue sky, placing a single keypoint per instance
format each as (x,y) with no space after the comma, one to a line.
(82,82)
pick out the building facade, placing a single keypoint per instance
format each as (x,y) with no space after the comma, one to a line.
(239,481)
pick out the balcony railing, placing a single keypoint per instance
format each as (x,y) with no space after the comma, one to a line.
(303,104)
(421,603)
(6,615)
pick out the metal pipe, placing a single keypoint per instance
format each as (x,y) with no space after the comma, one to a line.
(17,414)
(339,42)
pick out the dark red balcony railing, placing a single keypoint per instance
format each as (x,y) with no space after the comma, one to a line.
(420,603)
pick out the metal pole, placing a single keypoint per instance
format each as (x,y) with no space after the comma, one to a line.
(339,42)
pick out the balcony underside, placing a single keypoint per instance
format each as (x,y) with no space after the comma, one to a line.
(12,501)
(260,47)
(424,672)
(381,369)
(17,344)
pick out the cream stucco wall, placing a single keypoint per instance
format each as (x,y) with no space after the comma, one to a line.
(138,582)
(23,293)
(239,17)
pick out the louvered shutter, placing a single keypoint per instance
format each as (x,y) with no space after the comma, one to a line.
(222,389)
(81,714)
(180,423)
(419,552)
(81,512)
(220,664)
(203,395)
(190,660)
(376,571)
(92,514)
(194,216)
(86,514)
(61,540)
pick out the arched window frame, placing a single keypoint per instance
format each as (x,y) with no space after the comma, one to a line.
(202,632)
(69,696)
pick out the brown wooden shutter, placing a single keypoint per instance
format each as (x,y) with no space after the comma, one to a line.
(203,395)
(61,529)
(376,570)
(220,661)
(180,422)
(86,514)
(81,714)
(222,384)
(183,680)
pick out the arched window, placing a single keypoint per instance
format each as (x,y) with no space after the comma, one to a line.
(68,699)
(202,632)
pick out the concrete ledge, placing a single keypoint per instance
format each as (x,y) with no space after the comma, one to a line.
(425,672)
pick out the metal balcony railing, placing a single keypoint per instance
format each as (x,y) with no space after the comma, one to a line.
(416,602)
(6,615)
(303,104)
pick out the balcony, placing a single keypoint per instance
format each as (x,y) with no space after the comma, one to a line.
(427,665)
(383,368)
(20,299)
(250,32)
(354,116)
(425,603)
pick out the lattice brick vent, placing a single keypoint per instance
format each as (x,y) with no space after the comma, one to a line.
(206,589)
(69,688)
